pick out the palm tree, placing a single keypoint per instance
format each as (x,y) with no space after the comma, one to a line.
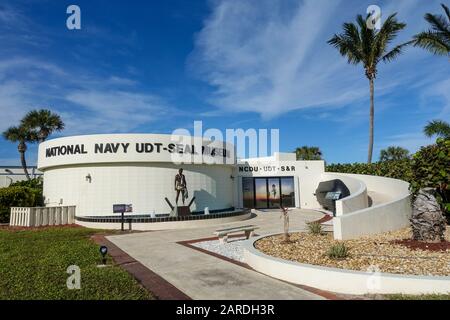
(436,39)
(394,153)
(437,127)
(22,135)
(44,121)
(308,153)
(361,44)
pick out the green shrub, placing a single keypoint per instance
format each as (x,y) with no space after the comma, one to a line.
(400,169)
(17,196)
(315,228)
(338,251)
(35,183)
(431,168)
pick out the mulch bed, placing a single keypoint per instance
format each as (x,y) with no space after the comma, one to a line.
(415,245)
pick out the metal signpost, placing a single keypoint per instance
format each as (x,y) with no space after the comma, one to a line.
(122,208)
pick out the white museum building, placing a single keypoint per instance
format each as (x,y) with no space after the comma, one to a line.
(93,172)
(104,176)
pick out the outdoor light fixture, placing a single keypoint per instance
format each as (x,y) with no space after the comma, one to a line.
(232,177)
(10,179)
(103,251)
(88,178)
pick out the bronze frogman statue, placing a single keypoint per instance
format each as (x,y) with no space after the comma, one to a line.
(180,186)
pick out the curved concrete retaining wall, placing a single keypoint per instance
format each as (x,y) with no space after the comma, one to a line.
(357,199)
(383,217)
(341,280)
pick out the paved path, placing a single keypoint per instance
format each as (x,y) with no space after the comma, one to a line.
(202,276)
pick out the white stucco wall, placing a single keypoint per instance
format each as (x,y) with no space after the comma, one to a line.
(141,179)
(307,175)
(341,280)
(143,186)
(357,199)
(389,215)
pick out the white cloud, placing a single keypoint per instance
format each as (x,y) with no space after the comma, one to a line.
(110,110)
(261,58)
(441,90)
(411,141)
(88,103)
(271,57)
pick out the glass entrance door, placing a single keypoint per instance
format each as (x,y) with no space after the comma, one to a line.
(274,192)
(260,193)
(263,193)
(287,192)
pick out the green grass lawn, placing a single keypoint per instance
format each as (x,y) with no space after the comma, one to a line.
(418,297)
(33,265)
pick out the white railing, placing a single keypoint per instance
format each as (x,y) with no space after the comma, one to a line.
(41,216)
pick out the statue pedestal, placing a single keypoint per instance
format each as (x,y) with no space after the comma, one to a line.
(180,211)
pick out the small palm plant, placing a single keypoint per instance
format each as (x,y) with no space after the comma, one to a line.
(394,154)
(21,135)
(44,122)
(437,39)
(308,153)
(437,128)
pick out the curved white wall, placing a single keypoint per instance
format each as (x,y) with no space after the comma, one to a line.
(386,216)
(341,280)
(143,185)
(137,169)
(357,199)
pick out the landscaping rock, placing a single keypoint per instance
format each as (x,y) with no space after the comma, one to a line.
(427,221)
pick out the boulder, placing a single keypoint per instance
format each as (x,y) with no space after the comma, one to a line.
(427,221)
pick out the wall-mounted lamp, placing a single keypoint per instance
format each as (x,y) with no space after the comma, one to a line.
(232,177)
(88,178)
(10,179)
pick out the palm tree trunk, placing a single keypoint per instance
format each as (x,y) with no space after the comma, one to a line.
(24,164)
(372,114)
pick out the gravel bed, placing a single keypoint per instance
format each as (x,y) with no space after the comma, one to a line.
(368,253)
(232,249)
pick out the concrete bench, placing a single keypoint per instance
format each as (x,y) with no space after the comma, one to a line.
(222,234)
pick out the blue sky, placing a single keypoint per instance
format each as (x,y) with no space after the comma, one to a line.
(154,66)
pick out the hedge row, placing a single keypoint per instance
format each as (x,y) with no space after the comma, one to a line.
(428,167)
(401,169)
(18,196)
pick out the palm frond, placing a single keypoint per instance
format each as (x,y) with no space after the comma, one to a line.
(346,48)
(396,51)
(367,36)
(437,22)
(387,33)
(433,42)
(437,127)
(446,10)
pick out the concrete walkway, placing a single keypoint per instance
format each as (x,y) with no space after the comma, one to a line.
(202,276)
